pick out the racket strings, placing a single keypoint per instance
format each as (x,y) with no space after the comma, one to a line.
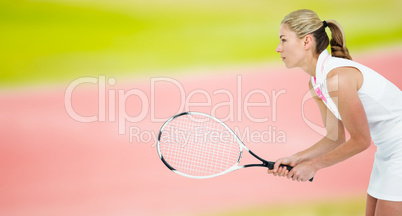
(198,145)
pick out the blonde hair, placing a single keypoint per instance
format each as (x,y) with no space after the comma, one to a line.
(304,22)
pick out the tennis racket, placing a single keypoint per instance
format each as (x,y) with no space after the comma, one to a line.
(200,146)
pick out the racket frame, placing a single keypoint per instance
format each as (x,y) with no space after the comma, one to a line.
(268,164)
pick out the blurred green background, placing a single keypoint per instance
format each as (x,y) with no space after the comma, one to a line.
(56,41)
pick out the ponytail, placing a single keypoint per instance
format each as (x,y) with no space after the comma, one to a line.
(338,46)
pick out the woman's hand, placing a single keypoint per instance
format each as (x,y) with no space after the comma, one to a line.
(282,171)
(302,171)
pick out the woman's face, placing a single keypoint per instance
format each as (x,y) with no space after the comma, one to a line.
(290,47)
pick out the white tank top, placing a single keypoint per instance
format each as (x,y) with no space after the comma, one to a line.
(381,99)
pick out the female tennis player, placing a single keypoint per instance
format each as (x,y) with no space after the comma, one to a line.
(349,95)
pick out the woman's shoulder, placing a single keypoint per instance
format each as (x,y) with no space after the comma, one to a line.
(336,65)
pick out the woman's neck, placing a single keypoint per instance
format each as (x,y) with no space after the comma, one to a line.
(310,64)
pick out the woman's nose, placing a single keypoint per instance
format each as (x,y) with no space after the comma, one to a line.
(278,48)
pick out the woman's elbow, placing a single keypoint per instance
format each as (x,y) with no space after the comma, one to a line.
(364,142)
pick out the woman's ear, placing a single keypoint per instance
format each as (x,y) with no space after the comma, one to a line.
(308,41)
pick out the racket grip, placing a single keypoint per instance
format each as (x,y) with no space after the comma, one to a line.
(287,167)
(290,168)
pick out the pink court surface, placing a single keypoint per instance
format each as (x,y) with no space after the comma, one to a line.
(52,163)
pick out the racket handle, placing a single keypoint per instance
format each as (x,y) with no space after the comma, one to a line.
(287,167)
(269,164)
(290,168)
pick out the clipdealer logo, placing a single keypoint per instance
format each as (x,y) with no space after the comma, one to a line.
(237,103)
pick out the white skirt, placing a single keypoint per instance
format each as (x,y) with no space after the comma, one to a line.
(386,176)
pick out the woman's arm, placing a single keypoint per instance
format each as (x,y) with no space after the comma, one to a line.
(335,132)
(343,84)
(334,137)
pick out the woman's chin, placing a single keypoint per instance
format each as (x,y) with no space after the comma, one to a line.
(288,66)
